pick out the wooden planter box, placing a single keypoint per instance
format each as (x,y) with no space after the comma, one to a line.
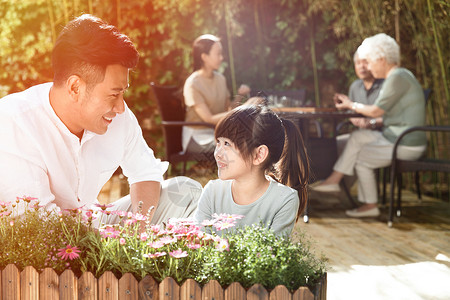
(30,285)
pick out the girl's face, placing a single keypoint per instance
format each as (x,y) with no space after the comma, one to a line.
(214,58)
(230,163)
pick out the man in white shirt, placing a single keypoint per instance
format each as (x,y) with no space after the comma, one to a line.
(61,142)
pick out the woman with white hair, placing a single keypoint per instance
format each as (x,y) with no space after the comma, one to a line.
(401,104)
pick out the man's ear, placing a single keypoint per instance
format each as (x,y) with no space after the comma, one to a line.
(260,154)
(73,86)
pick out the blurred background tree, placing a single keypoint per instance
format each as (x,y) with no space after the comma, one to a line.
(285,44)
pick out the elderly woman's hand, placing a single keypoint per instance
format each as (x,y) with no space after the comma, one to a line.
(341,101)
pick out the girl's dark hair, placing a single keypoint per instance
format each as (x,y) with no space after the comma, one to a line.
(250,126)
(202,44)
(86,46)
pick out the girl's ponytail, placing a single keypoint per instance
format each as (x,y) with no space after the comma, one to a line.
(293,167)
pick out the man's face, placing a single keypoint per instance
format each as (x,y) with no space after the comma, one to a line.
(361,69)
(100,104)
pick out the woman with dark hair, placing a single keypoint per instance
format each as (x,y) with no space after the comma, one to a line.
(246,155)
(205,94)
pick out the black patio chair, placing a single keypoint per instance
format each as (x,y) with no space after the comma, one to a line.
(171,107)
(425,163)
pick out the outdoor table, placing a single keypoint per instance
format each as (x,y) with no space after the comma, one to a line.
(322,151)
(303,115)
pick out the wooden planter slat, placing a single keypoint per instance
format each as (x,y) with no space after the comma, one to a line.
(190,290)
(257,292)
(87,287)
(11,283)
(68,286)
(128,287)
(303,293)
(169,289)
(235,291)
(280,292)
(29,284)
(49,285)
(212,291)
(108,287)
(148,288)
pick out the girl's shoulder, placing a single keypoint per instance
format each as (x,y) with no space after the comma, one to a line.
(281,189)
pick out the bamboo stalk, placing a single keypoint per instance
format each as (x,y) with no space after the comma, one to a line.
(52,20)
(230,49)
(66,12)
(259,36)
(314,64)
(438,49)
(358,20)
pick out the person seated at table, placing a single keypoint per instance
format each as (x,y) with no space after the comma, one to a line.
(206,95)
(401,103)
(246,155)
(364,90)
(61,141)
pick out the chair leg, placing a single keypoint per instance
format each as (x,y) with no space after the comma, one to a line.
(399,194)
(419,195)
(385,176)
(347,193)
(184,168)
(391,200)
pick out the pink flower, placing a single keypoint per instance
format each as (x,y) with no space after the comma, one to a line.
(155,228)
(154,255)
(129,222)
(144,236)
(193,246)
(69,252)
(120,213)
(156,245)
(178,253)
(223,217)
(208,222)
(168,240)
(103,206)
(109,232)
(221,225)
(223,245)
(140,217)
(122,241)
(4,204)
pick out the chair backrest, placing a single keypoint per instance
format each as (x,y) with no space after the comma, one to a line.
(171,107)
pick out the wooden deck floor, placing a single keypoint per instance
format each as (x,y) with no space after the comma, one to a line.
(368,260)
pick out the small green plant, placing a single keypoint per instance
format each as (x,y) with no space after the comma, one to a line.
(180,249)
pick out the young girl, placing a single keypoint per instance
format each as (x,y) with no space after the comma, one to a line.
(252,142)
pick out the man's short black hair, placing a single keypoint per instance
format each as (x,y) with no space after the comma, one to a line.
(86,46)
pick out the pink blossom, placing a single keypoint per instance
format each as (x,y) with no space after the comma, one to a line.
(129,222)
(178,253)
(156,245)
(69,252)
(193,246)
(223,217)
(208,222)
(109,232)
(168,240)
(140,217)
(144,236)
(4,204)
(223,245)
(120,213)
(154,255)
(103,206)
(221,225)
(155,228)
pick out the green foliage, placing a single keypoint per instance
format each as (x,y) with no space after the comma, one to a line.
(257,255)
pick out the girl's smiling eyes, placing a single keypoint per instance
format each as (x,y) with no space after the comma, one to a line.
(224,141)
